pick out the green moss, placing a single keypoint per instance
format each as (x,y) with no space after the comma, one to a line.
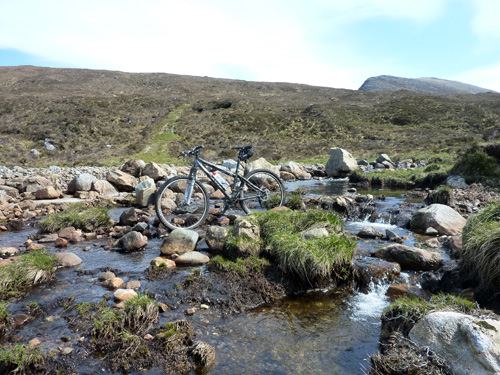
(294,200)
(78,216)
(29,269)
(5,319)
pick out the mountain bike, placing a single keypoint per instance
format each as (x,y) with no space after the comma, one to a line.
(183,201)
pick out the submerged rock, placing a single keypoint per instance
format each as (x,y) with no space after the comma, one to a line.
(132,241)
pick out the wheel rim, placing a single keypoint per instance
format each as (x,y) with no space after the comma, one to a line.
(271,196)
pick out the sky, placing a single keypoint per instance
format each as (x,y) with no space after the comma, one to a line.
(333,43)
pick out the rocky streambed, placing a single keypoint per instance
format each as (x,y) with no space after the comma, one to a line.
(254,323)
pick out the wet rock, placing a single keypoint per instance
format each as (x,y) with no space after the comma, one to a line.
(68,259)
(190,311)
(192,258)
(69,232)
(132,241)
(134,284)
(162,262)
(396,291)
(340,163)
(129,217)
(370,232)
(140,227)
(409,258)
(106,276)
(22,319)
(392,236)
(34,342)
(8,251)
(61,242)
(374,269)
(82,182)
(180,241)
(215,237)
(431,232)
(440,217)
(123,295)
(449,278)
(470,345)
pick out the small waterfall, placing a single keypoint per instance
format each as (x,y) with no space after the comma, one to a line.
(369,306)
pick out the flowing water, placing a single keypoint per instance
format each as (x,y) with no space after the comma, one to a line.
(320,332)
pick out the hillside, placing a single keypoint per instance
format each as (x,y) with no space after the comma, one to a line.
(424,85)
(106,117)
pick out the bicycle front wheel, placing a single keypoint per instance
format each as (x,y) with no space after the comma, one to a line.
(179,206)
(263,192)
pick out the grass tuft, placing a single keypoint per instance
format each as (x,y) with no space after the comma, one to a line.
(481,246)
(78,216)
(22,360)
(241,266)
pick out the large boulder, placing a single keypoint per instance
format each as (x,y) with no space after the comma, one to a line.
(133,167)
(340,163)
(154,171)
(35,183)
(68,259)
(442,218)
(262,164)
(470,345)
(48,192)
(409,258)
(82,182)
(297,170)
(180,241)
(103,187)
(123,181)
(148,182)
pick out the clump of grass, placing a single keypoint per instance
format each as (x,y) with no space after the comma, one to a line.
(29,269)
(22,360)
(403,313)
(294,201)
(78,216)
(241,266)
(441,195)
(142,314)
(5,319)
(240,246)
(309,259)
(481,246)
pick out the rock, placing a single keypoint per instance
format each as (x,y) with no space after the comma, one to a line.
(229,164)
(246,229)
(123,181)
(396,291)
(34,183)
(262,163)
(103,187)
(114,283)
(314,233)
(190,311)
(124,294)
(68,259)
(470,345)
(431,232)
(9,251)
(144,184)
(440,217)
(61,242)
(134,284)
(456,182)
(34,342)
(203,354)
(69,232)
(47,193)
(133,167)
(132,241)
(215,236)
(383,158)
(340,163)
(192,258)
(146,197)
(180,241)
(162,262)
(82,182)
(392,236)
(298,172)
(140,227)
(106,276)
(410,258)
(374,269)
(154,171)
(369,232)
(129,217)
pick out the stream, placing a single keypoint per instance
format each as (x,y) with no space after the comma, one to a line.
(320,332)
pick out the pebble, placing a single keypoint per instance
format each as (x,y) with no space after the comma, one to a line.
(190,311)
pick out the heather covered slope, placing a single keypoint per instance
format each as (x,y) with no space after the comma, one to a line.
(106,117)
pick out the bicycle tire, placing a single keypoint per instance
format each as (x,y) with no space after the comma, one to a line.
(173,213)
(275,191)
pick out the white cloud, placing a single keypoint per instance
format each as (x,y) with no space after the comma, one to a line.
(485,22)
(486,77)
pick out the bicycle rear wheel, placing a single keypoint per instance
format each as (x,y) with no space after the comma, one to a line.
(264,192)
(176,209)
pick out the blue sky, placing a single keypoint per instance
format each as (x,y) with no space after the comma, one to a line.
(335,43)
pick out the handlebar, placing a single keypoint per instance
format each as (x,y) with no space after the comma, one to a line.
(193,151)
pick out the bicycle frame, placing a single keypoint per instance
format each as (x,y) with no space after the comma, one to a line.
(202,164)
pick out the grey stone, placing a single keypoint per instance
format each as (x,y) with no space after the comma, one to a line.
(132,241)
(370,232)
(104,187)
(82,182)
(340,163)
(215,237)
(409,258)
(315,233)
(154,171)
(146,197)
(383,158)
(262,163)
(438,216)
(68,259)
(144,184)
(192,258)
(133,167)
(129,217)
(180,241)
